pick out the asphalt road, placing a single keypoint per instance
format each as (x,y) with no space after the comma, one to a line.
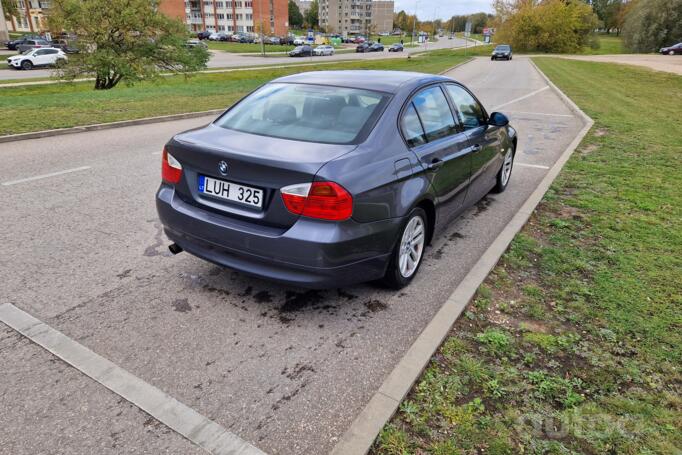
(285,369)
(221,59)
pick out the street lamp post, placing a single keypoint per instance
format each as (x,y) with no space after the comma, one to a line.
(414,23)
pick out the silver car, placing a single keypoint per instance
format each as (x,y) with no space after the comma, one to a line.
(325,49)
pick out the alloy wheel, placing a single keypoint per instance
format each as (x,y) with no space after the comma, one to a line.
(411,246)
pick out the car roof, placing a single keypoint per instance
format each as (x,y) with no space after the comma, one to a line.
(383,81)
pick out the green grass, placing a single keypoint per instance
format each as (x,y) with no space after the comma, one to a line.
(574,343)
(64,105)
(608,44)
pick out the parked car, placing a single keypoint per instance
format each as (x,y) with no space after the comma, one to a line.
(324,49)
(397,47)
(272,40)
(65,45)
(299,41)
(32,44)
(203,35)
(502,51)
(362,47)
(308,181)
(359,40)
(195,43)
(214,36)
(48,56)
(287,40)
(301,51)
(12,44)
(672,50)
(222,36)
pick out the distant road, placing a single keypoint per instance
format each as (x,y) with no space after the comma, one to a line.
(221,59)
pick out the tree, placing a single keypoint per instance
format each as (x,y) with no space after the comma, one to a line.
(124,40)
(312,17)
(295,16)
(9,7)
(607,11)
(652,24)
(561,26)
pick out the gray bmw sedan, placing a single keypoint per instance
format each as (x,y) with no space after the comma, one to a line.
(329,178)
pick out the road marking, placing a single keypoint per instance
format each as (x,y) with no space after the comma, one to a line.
(44,176)
(536,166)
(533,93)
(540,113)
(158,152)
(198,429)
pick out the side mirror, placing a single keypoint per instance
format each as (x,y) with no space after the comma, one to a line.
(498,119)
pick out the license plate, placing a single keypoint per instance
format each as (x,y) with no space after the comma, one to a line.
(231,191)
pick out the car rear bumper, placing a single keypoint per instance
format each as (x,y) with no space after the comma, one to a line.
(311,253)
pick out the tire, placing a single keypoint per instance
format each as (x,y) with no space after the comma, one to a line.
(504,174)
(671,53)
(492,58)
(398,276)
(26,65)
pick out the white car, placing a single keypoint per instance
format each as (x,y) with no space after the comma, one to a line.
(298,41)
(44,56)
(325,49)
(214,36)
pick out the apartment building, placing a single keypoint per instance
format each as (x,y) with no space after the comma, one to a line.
(216,15)
(352,17)
(233,16)
(31,16)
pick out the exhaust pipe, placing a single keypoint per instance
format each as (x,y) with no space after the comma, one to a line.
(175,248)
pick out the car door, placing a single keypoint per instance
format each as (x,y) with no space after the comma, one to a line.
(485,140)
(49,56)
(38,58)
(432,131)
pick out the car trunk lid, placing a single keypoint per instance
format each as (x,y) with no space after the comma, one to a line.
(254,161)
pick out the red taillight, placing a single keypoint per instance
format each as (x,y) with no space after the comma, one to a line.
(323,200)
(171,169)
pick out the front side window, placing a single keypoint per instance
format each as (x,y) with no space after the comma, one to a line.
(434,113)
(306,112)
(470,111)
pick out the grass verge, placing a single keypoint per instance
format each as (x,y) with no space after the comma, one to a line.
(64,105)
(574,342)
(608,44)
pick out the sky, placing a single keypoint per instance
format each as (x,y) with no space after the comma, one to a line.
(443,9)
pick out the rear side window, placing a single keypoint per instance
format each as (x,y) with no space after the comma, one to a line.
(412,127)
(471,112)
(434,113)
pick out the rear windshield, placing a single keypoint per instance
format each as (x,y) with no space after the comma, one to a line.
(304,112)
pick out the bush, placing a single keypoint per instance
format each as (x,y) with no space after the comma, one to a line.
(652,24)
(553,26)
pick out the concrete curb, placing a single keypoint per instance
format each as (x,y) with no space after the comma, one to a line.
(106,126)
(141,121)
(358,439)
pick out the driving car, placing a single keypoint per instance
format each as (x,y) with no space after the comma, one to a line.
(329,178)
(362,47)
(324,49)
(301,51)
(672,50)
(396,47)
(502,51)
(376,47)
(37,57)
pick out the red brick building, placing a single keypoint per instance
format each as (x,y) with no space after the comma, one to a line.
(232,16)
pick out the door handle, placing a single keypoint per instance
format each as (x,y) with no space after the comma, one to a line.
(476,148)
(436,163)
